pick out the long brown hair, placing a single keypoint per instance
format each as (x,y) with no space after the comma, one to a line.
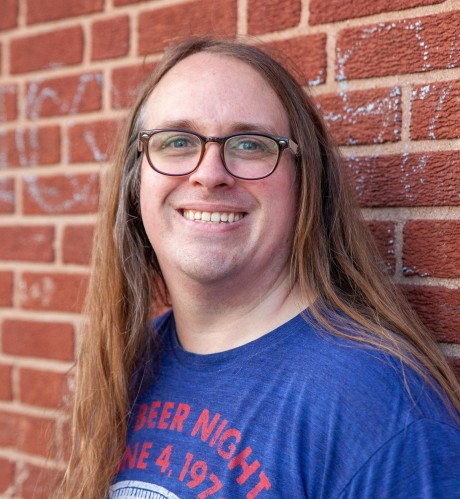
(332,258)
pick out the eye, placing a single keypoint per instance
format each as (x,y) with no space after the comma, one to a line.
(248,144)
(173,143)
(251,146)
(179,142)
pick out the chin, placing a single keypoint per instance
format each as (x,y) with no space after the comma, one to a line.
(208,274)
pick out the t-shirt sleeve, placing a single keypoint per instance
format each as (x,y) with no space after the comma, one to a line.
(421,461)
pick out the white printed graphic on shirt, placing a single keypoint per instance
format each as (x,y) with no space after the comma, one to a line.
(133,489)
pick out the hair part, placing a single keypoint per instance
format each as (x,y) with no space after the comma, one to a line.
(332,259)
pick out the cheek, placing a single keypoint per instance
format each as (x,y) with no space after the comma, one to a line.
(286,207)
(156,191)
(153,188)
(280,208)
(150,194)
(284,192)
(145,200)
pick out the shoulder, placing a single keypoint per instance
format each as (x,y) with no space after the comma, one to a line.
(419,461)
(357,378)
(373,423)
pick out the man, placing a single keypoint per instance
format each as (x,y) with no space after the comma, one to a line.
(286,368)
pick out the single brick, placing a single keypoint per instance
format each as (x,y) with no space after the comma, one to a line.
(92,141)
(8,102)
(52,291)
(27,243)
(49,10)
(38,482)
(26,433)
(265,16)
(306,54)
(6,392)
(9,17)
(415,179)
(435,112)
(42,388)
(384,236)
(337,10)
(60,194)
(77,244)
(6,289)
(6,474)
(363,116)
(110,38)
(431,248)
(47,340)
(64,96)
(117,3)
(404,46)
(47,50)
(31,146)
(7,196)
(127,82)
(439,309)
(202,17)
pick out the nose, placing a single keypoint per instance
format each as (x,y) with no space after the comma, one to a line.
(211,172)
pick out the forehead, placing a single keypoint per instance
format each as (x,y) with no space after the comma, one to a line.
(215,91)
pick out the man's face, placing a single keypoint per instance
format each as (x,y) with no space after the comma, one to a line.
(216,95)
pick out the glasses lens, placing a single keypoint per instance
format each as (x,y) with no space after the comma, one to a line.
(251,156)
(174,152)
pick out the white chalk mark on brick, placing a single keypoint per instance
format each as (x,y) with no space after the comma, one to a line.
(387,107)
(362,172)
(342,59)
(35,99)
(41,291)
(45,197)
(4,149)
(411,176)
(437,112)
(454,53)
(418,29)
(6,194)
(4,91)
(422,92)
(317,81)
(83,82)
(98,155)
(37,96)
(27,153)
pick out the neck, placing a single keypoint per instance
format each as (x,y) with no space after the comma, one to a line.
(212,317)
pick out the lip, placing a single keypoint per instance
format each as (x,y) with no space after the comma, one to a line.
(219,207)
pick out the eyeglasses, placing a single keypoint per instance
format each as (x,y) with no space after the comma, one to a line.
(248,156)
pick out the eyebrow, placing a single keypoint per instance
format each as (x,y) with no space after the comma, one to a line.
(235,127)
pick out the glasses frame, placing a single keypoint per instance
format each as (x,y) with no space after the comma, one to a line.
(283,143)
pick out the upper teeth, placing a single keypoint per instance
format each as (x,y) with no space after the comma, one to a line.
(214,216)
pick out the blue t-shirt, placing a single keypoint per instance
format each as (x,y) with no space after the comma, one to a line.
(296,413)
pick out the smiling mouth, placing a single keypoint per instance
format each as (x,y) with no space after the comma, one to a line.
(215,217)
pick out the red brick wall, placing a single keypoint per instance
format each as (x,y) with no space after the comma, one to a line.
(387,78)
